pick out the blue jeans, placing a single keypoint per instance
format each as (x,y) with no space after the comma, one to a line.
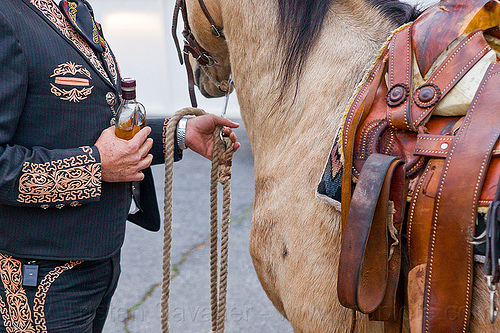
(69,297)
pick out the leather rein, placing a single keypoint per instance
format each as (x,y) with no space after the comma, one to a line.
(191,46)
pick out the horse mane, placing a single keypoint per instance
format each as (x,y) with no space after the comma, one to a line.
(300,22)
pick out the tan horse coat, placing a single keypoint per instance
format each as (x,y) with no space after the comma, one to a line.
(295,238)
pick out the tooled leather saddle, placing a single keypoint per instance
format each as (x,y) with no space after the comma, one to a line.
(421,160)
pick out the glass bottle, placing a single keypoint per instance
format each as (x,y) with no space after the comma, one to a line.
(131,115)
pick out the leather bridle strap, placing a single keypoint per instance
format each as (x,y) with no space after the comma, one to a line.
(217,32)
(191,46)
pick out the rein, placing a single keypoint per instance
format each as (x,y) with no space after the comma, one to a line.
(220,173)
(191,46)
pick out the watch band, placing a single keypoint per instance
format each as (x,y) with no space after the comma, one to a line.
(181,133)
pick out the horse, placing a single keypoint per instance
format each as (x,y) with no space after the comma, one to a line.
(295,65)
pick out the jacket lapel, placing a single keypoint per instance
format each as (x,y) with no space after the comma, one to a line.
(51,13)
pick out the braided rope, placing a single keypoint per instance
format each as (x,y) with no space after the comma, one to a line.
(214,239)
(224,178)
(220,173)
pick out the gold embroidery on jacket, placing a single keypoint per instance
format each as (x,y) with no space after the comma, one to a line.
(54,15)
(17,318)
(71,68)
(41,294)
(69,179)
(112,66)
(73,95)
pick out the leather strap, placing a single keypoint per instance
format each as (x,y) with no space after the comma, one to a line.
(464,56)
(421,211)
(399,73)
(216,31)
(415,109)
(362,282)
(441,24)
(358,110)
(433,145)
(191,46)
(438,146)
(459,186)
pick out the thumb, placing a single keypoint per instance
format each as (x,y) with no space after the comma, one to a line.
(226,122)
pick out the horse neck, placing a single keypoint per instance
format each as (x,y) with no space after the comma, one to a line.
(303,122)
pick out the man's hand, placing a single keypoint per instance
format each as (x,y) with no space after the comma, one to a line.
(123,160)
(199,132)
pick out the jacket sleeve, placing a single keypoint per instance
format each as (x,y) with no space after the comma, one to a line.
(36,176)
(158,133)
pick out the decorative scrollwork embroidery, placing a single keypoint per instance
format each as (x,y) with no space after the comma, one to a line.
(54,15)
(71,68)
(111,64)
(74,95)
(70,179)
(17,318)
(41,294)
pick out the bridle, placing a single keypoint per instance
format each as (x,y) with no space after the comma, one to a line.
(191,46)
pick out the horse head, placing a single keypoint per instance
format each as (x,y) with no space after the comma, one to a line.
(206,54)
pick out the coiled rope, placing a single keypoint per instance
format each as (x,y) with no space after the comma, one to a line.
(221,173)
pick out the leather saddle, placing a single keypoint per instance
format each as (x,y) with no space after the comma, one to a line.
(421,161)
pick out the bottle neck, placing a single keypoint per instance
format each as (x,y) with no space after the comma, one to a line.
(128,95)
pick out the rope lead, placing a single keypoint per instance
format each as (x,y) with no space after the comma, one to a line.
(220,173)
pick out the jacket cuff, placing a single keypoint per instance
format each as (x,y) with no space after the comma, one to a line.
(67,181)
(158,134)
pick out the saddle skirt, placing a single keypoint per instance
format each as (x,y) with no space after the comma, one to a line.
(416,161)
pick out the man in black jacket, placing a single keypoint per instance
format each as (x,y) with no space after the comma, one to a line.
(65,178)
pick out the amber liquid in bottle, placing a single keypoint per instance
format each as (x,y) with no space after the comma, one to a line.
(127,134)
(131,115)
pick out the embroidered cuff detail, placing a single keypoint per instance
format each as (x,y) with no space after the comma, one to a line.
(67,180)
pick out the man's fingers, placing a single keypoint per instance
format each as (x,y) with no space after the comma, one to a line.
(229,133)
(142,135)
(145,162)
(138,176)
(146,147)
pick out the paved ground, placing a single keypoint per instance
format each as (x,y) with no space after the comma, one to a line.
(136,305)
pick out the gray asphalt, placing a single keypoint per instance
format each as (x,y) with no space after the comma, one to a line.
(136,305)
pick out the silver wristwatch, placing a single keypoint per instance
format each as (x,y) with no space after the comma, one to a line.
(181,133)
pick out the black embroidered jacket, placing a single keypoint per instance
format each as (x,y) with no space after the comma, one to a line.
(55,96)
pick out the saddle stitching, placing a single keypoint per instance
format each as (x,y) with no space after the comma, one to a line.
(411,211)
(434,228)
